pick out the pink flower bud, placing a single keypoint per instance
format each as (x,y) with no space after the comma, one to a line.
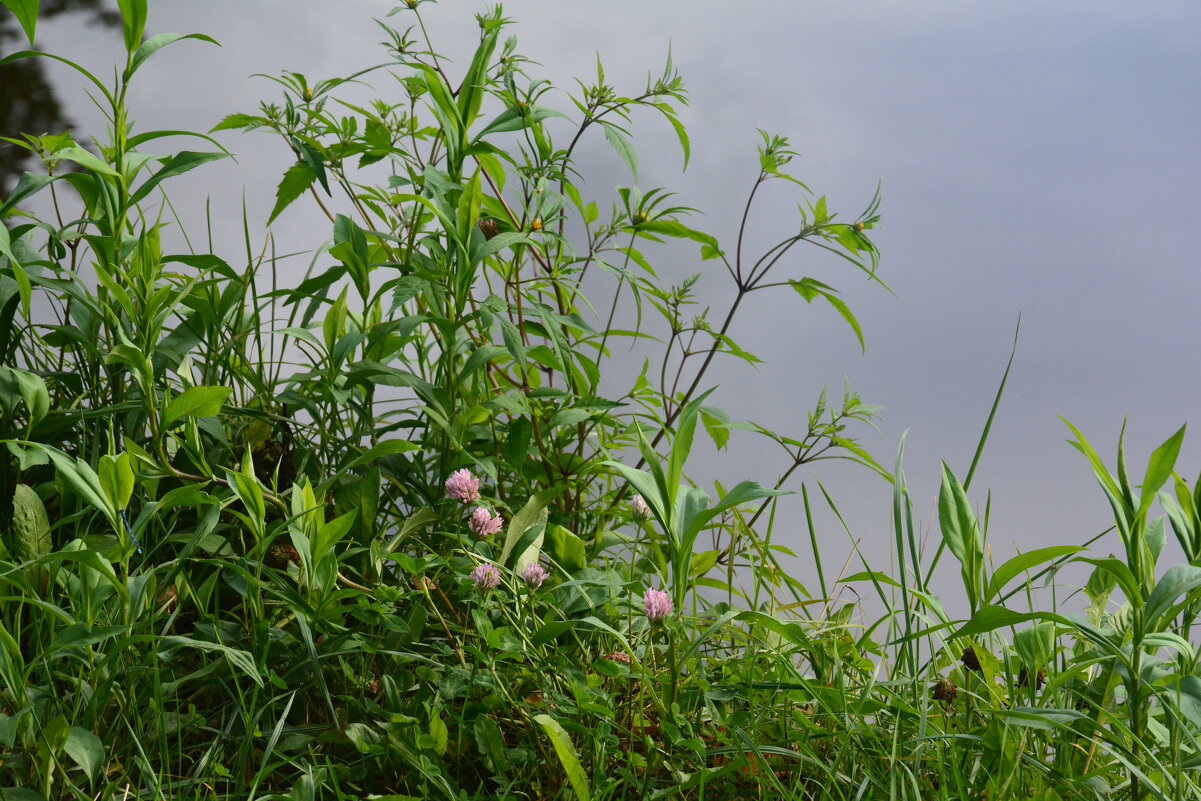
(657,605)
(485,576)
(483,523)
(639,507)
(463,487)
(534,574)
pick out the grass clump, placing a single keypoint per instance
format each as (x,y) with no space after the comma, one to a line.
(391,531)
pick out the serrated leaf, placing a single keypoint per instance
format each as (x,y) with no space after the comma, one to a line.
(176,165)
(621,143)
(298,178)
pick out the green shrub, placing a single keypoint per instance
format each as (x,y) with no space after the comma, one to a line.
(390,530)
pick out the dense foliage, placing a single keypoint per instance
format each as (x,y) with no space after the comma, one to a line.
(390,529)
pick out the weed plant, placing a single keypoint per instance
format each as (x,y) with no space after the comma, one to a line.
(385,532)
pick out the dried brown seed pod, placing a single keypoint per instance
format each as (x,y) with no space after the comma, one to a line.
(970,660)
(945,691)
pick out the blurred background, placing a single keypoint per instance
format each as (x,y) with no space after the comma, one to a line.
(1035,159)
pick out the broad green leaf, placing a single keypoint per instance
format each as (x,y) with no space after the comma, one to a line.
(84,159)
(716,425)
(1122,574)
(116,479)
(81,635)
(26,12)
(133,16)
(1187,698)
(380,450)
(991,618)
(30,524)
(176,165)
(644,485)
(85,750)
(532,514)
(156,43)
(1176,581)
(82,479)
(961,532)
(196,402)
(565,548)
(1159,469)
(567,755)
(1023,562)
(29,184)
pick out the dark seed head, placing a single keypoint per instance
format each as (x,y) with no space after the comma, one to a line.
(970,660)
(945,691)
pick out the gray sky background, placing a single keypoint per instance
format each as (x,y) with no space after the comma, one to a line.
(1036,158)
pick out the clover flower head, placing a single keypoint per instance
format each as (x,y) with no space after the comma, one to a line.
(485,576)
(640,508)
(657,605)
(462,486)
(617,656)
(484,523)
(534,574)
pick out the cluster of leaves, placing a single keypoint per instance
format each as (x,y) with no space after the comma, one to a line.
(232,564)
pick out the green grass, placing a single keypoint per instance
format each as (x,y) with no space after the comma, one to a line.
(230,565)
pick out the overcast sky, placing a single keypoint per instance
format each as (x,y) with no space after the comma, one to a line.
(1036,158)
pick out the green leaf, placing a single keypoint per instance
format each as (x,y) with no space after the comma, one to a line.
(716,424)
(30,524)
(84,159)
(532,514)
(991,618)
(474,87)
(81,635)
(565,547)
(512,119)
(1176,581)
(133,16)
(379,451)
(567,755)
(1023,562)
(677,229)
(1159,469)
(298,178)
(196,402)
(242,660)
(621,143)
(30,184)
(116,479)
(961,532)
(82,479)
(85,750)
(681,443)
(156,43)
(26,12)
(845,311)
(177,164)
